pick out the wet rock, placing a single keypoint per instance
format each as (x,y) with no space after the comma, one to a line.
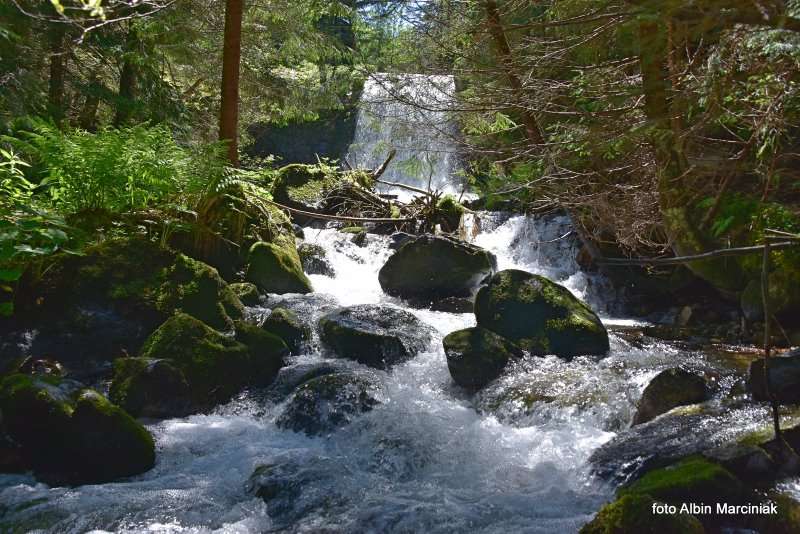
(150,388)
(276,268)
(291,377)
(215,366)
(634,514)
(453,305)
(670,388)
(287,325)
(476,356)
(315,260)
(378,336)
(784,379)
(448,213)
(298,231)
(539,315)
(328,402)
(398,239)
(358,235)
(247,293)
(68,434)
(108,443)
(45,367)
(433,267)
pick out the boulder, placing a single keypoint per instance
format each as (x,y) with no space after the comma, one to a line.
(453,305)
(150,388)
(784,379)
(303,187)
(539,315)
(431,268)
(286,325)
(215,366)
(448,213)
(276,269)
(669,389)
(377,336)
(108,443)
(398,239)
(476,356)
(633,514)
(331,401)
(314,260)
(247,293)
(68,434)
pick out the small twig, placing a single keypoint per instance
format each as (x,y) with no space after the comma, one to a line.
(736,251)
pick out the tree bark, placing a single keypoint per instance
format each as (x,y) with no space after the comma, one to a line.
(126,100)
(88,116)
(495,26)
(231,56)
(58,68)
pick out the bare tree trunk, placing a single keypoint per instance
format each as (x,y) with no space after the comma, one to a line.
(58,68)
(127,80)
(88,116)
(495,26)
(231,55)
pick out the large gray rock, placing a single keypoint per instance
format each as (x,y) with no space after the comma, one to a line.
(784,379)
(430,268)
(327,402)
(476,356)
(539,315)
(669,389)
(378,336)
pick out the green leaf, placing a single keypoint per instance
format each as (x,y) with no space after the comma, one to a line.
(6,309)
(10,275)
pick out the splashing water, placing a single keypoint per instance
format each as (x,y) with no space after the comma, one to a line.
(428,459)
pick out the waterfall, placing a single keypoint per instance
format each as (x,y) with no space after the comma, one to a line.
(409,113)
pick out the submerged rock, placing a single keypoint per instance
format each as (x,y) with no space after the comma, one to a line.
(784,379)
(633,514)
(476,356)
(325,403)
(378,336)
(276,269)
(287,325)
(431,267)
(669,389)
(539,315)
(247,293)
(314,260)
(73,435)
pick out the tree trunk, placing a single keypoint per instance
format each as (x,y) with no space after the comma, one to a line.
(88,116)
(126,100)
(58,68)
(231,55)
(495,26)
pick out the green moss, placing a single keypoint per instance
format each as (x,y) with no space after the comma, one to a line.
(277,269)
(352,230)
(267,352)
(150,388)
(303,185)
(286,325)
(694,479)
(247,293)
(449,212)
(633,514)
(476,356)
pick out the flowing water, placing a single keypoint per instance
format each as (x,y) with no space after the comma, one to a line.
(428,459)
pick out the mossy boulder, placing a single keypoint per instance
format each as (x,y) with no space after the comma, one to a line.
(303,186)
(287,325)
(431,268)
(146,387)
(328,402)
(247,293)
(314,260)
(784,379)
(448,213)
(539,315)
(276,268)
(476,356)
(669,389)
(215,366)
(68,434)
(633,514)
(108,443)
(378,336)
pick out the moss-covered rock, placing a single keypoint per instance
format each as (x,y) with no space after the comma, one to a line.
(448,213)
(314,259)
(633,514)
(476,356)
(358,234)
(267,352)
(150,388)
(73,435)
(247,293)
(431,268)
(378,336)
(286,325)
(277,269)
(669,389)
(303,186)
(108,443)
(539,315)
(328,402)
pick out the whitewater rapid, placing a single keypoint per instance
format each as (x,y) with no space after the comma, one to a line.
(424,460)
